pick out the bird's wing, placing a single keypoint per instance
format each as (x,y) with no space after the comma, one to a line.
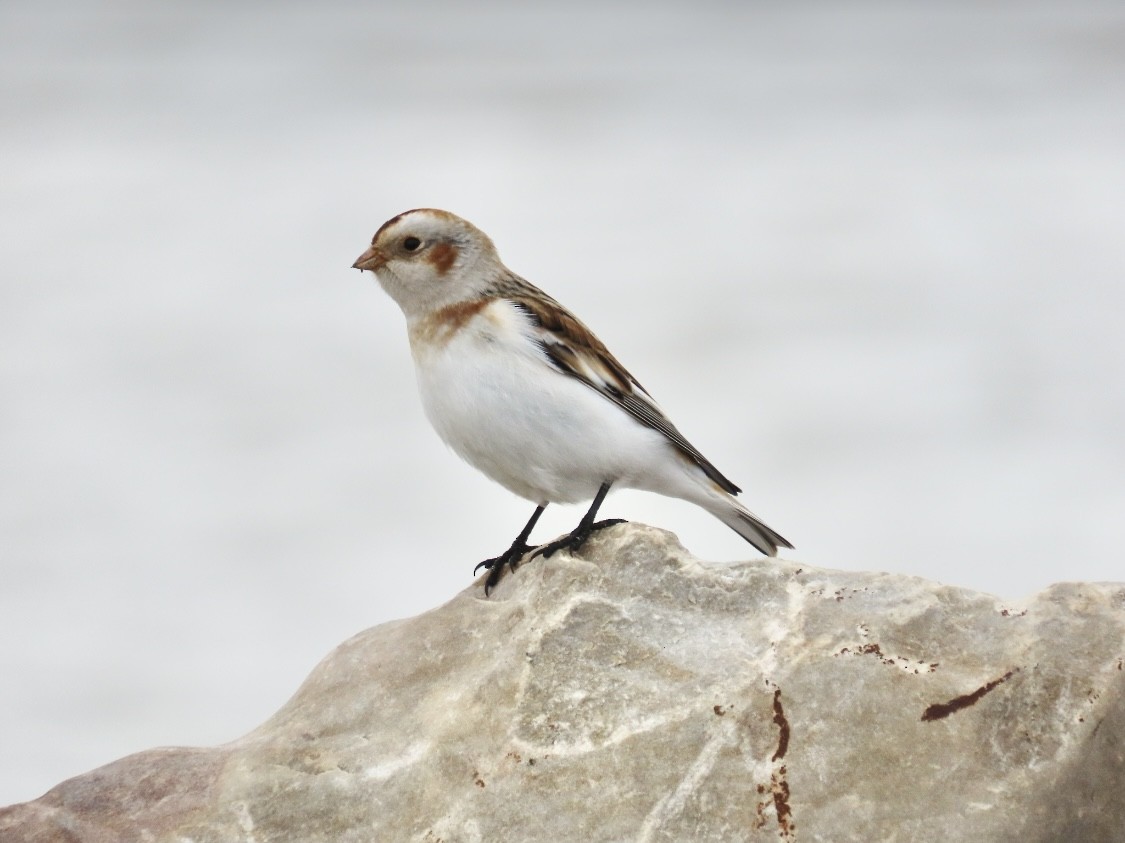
(573,349)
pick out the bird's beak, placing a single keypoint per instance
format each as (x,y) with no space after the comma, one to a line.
(371,259)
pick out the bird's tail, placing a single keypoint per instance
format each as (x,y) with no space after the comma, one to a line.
(748,525)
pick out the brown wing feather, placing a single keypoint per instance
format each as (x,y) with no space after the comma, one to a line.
(574,350)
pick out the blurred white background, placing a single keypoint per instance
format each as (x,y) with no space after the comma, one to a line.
(868,256)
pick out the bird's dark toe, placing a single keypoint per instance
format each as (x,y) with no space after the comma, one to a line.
(510,558)
(574,540)
(609,522)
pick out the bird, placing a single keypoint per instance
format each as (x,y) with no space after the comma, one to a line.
(520,388)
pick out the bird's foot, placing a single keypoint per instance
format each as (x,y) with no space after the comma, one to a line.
(575,539)
(509,558)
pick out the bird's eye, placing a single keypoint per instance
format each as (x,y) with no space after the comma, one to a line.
(411,244)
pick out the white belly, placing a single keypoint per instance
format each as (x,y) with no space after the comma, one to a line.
(543,435)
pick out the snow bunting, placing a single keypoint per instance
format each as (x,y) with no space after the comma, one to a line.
(526,393)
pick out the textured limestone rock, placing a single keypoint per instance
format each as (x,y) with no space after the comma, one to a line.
(636,695)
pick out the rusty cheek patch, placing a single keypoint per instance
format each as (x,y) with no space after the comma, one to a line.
(442,257)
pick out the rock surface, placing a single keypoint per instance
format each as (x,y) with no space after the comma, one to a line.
(633,694)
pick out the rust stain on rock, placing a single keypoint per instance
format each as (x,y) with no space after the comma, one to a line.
(779,787)
(760,812)
(782,727)
(937,711)
(778,794)
(873,649)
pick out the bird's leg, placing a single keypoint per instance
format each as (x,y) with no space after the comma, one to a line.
(577,537)
(510,557)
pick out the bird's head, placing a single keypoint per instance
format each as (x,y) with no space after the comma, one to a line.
(427,259)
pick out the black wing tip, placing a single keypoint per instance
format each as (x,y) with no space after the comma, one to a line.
(770,538)
(778,540)
(730,487)
(713,474)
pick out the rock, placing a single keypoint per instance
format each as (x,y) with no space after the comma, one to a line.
(635,694)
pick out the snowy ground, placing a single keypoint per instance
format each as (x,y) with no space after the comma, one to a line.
(868,256)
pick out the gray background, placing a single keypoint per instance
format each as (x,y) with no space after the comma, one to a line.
(868,256)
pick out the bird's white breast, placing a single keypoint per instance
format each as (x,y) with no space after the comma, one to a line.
(489,391)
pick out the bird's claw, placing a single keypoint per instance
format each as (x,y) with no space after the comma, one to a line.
(495,566)
(574,540)
(488,564)
(512,557)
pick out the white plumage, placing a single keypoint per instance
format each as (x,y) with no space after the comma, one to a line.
(524,392)
(492,395)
